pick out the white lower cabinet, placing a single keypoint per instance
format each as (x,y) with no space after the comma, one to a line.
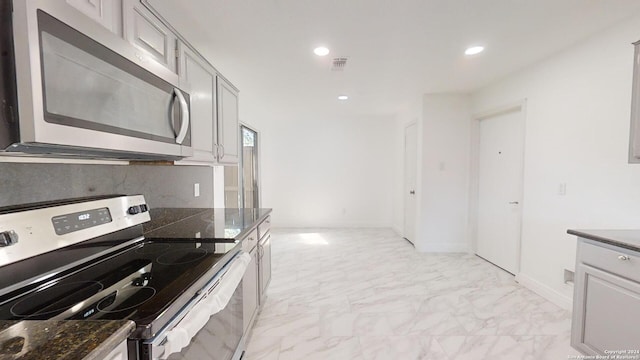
(119,353)
(258,274)
(606,310)
(250,291)
(264,267)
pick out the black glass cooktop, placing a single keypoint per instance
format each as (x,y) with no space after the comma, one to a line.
(138,283)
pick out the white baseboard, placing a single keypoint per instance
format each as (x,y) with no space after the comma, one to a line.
(329,225)
(397,230)
(545,291)
(443,247)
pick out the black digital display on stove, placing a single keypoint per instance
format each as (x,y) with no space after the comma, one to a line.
(64,224)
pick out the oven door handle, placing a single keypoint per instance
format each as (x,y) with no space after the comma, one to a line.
(180,336)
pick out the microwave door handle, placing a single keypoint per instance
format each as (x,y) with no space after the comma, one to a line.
(184,110)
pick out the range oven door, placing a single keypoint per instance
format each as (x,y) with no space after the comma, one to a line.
(85,90)
(198,335)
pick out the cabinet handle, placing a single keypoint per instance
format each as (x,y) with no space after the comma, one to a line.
(221,154)
(623,257)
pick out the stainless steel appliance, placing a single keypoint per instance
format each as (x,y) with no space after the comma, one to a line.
(88,259)
(71,87)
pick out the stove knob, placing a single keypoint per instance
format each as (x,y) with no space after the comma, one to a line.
(134,210)
(138,282)
(8,238)
(144,208)
(146,276)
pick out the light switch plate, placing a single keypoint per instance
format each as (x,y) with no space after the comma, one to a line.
(196,189)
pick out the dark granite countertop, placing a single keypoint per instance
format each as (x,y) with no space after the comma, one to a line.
(629,239)
(61,340)
(203,224)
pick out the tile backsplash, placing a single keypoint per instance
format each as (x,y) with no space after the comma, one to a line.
(162,185)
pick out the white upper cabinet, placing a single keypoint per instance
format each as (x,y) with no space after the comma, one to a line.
(199,78)
(148,33)
(214,101)
(228,123)
(107,13)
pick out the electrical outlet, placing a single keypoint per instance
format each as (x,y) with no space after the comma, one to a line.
(196,190)
(562,189)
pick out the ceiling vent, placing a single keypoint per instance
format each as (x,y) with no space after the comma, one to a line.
(338,64)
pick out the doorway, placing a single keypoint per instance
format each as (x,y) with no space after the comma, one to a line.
(241,183)
(410,167)
(499,187)
(249,198)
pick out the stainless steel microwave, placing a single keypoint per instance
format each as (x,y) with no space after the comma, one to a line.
(70,87)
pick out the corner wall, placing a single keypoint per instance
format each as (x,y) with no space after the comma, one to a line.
(443,174)
(577,132)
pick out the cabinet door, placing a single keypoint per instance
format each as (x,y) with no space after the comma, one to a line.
(107,13)
(146,32)
(199,78)
(228,123)
(119,353)
(606,312)
(250,291)
(265,265)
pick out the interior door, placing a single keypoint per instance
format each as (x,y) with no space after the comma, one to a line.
(410,159)
(500,189)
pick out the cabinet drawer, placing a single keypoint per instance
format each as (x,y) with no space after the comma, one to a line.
(250,241)
(619,261)
(264,227)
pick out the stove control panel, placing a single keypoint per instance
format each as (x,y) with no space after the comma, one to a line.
(65,224)
(45,227)
(8,238)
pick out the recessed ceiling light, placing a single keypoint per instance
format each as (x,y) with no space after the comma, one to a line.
(343,97)
(321,51)
(474,50)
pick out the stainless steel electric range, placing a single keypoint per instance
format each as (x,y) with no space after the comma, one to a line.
(88,259)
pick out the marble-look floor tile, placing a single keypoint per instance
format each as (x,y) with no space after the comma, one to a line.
(320,348)
(483,347)
(367,294)
(263,348)
(287,325)
(401,347)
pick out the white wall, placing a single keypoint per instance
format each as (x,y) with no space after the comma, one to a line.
(325,172)
(577,130)
(443,173)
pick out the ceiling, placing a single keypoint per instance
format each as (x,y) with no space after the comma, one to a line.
(396,49)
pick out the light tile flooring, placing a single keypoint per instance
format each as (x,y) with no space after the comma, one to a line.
(367,294)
